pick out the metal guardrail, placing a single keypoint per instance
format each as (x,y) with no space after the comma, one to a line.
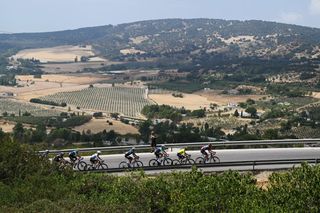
(199,144)
(252,164)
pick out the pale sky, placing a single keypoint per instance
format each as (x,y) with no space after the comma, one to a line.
(53,15)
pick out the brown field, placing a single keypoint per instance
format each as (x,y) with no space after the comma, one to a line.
(200,99)
(50,84)
(59,68)
(98,125)
(66,53)
(316,95)
(73,79)
(189,101)
(220,99)
(6,126)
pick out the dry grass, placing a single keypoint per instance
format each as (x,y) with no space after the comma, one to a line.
(73,67)
(200,99)
(50,84)
(98,125)
(57,54)
(6,126)
(189,101)
(73,79)
(220,99)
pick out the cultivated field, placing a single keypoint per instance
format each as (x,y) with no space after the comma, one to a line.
(66,53)
(126,101)
(13,107)
(98,125)
(30,87)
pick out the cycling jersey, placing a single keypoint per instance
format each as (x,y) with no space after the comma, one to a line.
(94,157)
(58,158)
(130,152)
(206,147)
(182,151)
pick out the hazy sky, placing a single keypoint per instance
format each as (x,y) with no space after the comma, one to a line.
(51,15)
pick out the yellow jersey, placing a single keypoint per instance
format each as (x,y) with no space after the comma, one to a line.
(182,151)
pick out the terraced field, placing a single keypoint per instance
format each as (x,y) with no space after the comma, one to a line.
(13,107)
(126,101)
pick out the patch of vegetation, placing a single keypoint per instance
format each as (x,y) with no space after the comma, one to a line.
(52,121)
(46,102)
(31,184)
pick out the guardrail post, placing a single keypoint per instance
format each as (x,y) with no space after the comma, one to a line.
(253,164)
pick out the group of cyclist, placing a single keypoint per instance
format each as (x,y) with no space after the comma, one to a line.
(159,152)
(74,155)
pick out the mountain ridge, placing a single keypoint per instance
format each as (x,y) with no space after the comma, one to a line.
(182,37)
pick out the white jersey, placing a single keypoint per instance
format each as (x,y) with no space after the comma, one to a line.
(94,156)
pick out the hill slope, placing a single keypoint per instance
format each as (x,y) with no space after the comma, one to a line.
(182,37)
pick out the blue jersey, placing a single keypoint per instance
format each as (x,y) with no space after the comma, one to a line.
(130,152)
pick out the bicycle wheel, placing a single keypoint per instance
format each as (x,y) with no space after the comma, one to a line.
(215,159)
(153,162)
(137,164)
(123,165)
(200,160)
(167,162)
(175,162)
(82,166)
(190,161)
(103,166)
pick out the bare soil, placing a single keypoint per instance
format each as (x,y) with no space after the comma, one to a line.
(65,53)
(189,101)
(98,125)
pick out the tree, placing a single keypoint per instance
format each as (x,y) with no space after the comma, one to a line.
(252,111)
(18,132)
(40,134)
(144,130)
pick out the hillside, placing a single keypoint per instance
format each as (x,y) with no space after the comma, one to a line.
(182,37)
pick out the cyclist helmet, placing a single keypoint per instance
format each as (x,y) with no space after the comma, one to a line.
(61,154)
(133,148)
(98,152)
(210,146)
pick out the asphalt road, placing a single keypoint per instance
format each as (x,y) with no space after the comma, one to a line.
(229,155)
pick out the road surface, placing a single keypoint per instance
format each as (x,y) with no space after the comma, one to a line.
(229,155)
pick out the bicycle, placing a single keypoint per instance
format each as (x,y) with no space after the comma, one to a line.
(135,163)
(100,165)
(166,161)
(79,164)
(211,159)
(186,160)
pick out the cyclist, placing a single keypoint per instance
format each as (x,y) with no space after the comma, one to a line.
(129,153)
(59,157)
(182,153)
(95,158)
(206,148)
(159,152)
(45,154)
(73,155)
